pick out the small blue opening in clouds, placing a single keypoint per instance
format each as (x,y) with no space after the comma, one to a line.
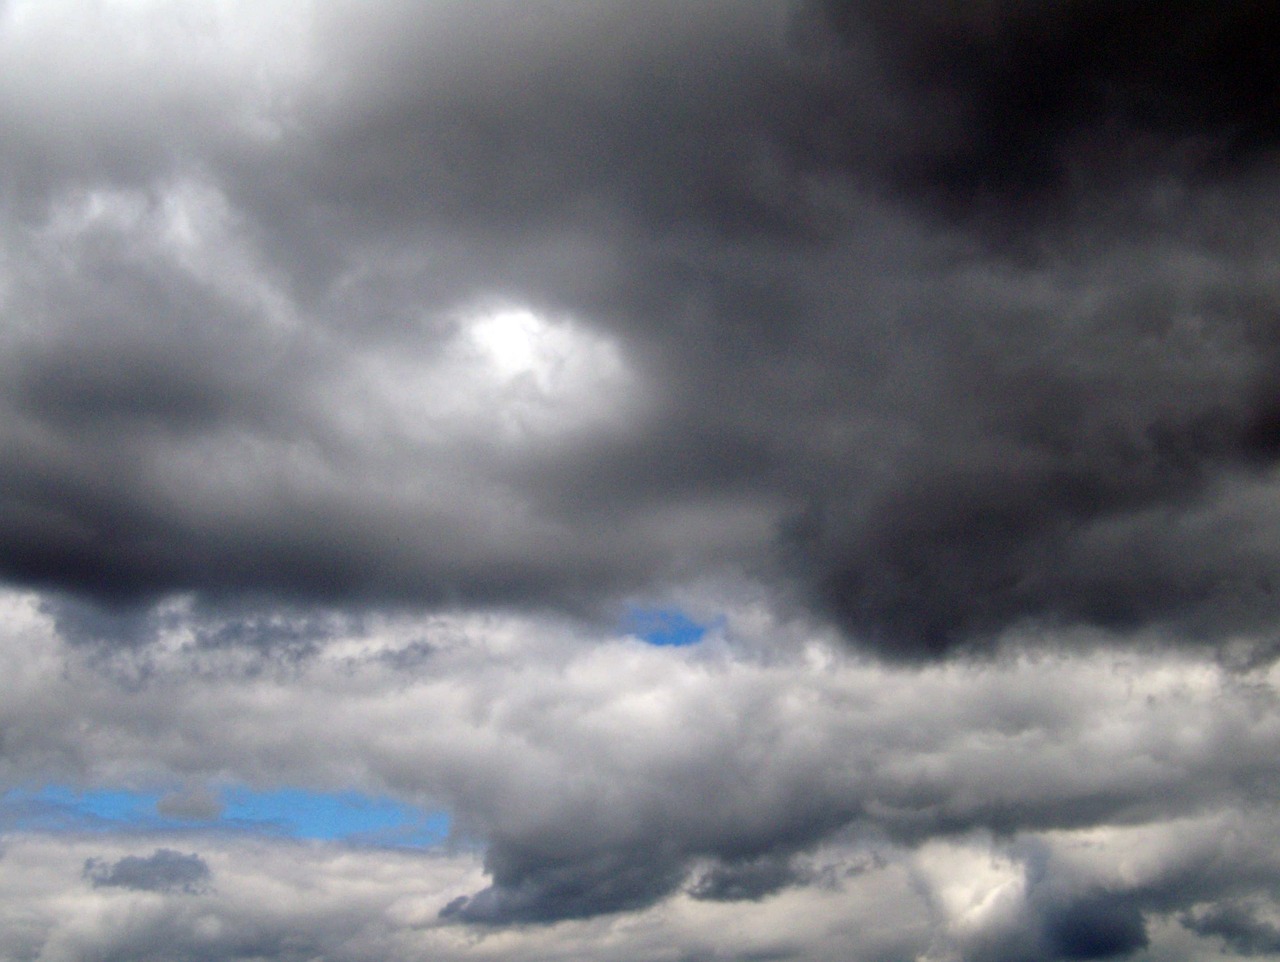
(347,815)
(662,626)
(288,812)
(107,805)
(59,808)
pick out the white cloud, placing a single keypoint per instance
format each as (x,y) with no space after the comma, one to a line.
(1121,771)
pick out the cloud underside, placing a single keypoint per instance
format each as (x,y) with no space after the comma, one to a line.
(1082,805)
(945,321)
(363,365)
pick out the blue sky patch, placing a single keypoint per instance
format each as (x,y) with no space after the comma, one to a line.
(348,816)
(285,812)
(59,808)
(662,626)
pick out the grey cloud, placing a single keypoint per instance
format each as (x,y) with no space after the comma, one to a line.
(638,846)
(532,886)
(164,870)
(620,779)
(1099,925)
(277,901)
(1238,924)
(1208,883)
(751,880)
(1026,101)
(260,635)
(928,436)
(614,775)
(952,328)
(524,120)
(1090,925)
(198,804)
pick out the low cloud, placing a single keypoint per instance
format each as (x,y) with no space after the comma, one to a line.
(164,870)
(363,364)
(750,880)
(810,770)
(199,804)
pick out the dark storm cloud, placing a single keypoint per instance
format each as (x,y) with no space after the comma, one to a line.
(1098,925)
(1009,101)
(634,858)
(1065,921)
(944,320)
(1082,453)
(164,870)
(542,887)
(1211,888)
(469,158)
(951,326)
(1095,924)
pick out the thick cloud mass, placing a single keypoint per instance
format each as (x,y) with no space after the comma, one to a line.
(1012,101)
(805,804)
(799,801)
(952,319)
(363,363)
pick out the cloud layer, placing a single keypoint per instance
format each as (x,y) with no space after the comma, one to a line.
(371,372)
(1073,806)
(471,306)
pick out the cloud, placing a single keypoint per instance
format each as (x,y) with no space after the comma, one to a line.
(617,775)
(198,804)
(752,880)
(164,870)
(1242,925)
(738,341)
(1019,101)
(283,901)
(1096,926)
(365,368)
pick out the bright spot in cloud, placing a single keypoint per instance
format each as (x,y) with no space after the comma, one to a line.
(974,887)
(539,376)
(512,340)
(508,375)
(559,357)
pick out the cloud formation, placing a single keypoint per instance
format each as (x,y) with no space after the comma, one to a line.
(371,371)
(466,307)
(1049,806)
(164,870)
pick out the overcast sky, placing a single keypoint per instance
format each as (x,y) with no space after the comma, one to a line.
(665,481)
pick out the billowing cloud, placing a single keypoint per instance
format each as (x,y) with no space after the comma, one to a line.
(464,306)
(803,470)
(1052,805)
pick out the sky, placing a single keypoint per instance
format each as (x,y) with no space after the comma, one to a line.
(733,481)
